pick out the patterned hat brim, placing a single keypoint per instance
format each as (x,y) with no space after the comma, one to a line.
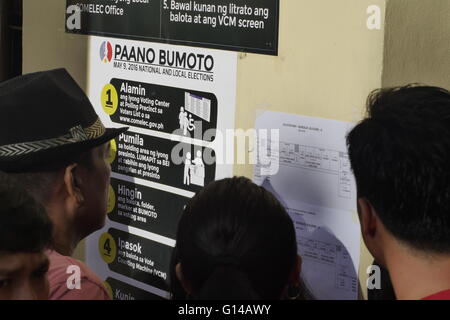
(45,157)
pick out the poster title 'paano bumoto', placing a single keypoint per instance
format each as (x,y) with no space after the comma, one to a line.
(169,58)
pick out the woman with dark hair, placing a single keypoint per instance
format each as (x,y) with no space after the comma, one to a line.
(235,241)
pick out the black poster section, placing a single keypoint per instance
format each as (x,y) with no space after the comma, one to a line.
(146,208)
(124,291)
(139,258)
(165,109)
(168,162)
(239,25)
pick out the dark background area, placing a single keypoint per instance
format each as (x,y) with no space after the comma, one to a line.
(10,38)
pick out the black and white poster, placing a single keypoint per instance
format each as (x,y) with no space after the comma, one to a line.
(178,103)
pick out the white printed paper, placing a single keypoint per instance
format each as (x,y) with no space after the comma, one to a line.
(315,184)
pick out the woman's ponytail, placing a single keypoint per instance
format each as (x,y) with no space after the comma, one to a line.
(227,282)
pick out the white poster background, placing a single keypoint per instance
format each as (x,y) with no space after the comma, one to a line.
(223,86)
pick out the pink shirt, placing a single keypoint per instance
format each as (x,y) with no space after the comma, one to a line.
(91,287)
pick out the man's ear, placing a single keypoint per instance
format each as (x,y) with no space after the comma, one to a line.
(294,278)
(367,218)
(73,182)
(371,228)
(184,283)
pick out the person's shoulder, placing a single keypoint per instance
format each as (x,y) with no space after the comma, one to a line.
(62,268)
(61,263)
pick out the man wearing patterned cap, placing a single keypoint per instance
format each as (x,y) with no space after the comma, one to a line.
(54,145)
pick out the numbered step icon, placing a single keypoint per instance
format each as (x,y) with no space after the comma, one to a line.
(107,248)
(109,99)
